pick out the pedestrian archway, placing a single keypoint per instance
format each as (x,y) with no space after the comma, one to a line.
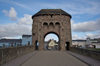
(36,45)
(67,45)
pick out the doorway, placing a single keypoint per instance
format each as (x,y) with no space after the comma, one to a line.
(67,45)
(36,45)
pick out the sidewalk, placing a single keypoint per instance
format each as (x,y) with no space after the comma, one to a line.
(86,59)
(20,60)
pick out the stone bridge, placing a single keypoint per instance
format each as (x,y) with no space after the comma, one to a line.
(25,56)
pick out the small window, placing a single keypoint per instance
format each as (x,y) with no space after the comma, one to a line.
(27,37)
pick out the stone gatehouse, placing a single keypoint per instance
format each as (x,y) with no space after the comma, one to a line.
(54,21)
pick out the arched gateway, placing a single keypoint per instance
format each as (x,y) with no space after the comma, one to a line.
(52,21)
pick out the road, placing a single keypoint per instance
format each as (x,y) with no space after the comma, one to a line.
(53,58)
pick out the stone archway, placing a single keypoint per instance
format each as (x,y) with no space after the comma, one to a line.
(51,20)
(58,47)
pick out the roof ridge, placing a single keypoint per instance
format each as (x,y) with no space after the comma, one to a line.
(51,11)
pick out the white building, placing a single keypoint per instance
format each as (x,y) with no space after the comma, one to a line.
(78,43)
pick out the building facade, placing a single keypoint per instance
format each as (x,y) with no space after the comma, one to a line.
(89,43)
(26,40)
(53,45)
(10,43)
(78,43)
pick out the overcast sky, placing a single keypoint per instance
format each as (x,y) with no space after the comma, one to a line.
(15,16)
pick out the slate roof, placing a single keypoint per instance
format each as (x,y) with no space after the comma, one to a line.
(95,42)
(78,40)
(3,41)
(93,39)
(51,11)
(26,35)
(11,41)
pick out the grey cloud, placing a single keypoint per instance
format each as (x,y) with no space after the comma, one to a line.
(5,12)
(97,35)
(86,26)
(25,20)
(75,37)
(11,13)
(13,30)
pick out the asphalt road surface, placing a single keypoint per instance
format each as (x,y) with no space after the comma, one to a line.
(53,58)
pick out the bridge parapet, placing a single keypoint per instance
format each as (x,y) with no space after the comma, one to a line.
(91,53)
(7,54)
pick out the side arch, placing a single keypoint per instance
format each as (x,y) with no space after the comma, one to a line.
(36,45)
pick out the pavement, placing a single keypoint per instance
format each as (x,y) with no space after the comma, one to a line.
(53,58)
(86,59)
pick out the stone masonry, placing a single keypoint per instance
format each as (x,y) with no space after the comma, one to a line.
(54,21)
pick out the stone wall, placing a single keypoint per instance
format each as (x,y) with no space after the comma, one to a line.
(91,53)
(7,54)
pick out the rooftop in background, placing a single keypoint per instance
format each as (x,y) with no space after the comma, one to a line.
(26,35)
(11,40)
(51,11)
(93,39)
(78,40)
